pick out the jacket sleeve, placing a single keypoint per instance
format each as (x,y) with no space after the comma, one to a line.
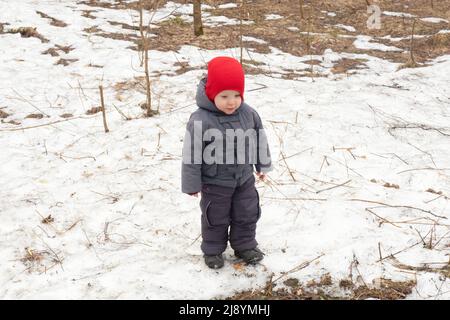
(191,175)
(264,161)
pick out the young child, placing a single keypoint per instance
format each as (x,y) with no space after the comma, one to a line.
(222,168)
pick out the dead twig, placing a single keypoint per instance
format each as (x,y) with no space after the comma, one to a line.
(56,256)
(295,199)
(379,251)
(419,126)
(44,125)
(297,268)
(121,113)
(336,186)
(400,251)
(105,231)
(31,104)
(287,166)
(417,169)
(381,218)
(103,109)
(398,206)
(323,161)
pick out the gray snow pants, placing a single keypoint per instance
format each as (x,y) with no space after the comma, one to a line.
(226,208)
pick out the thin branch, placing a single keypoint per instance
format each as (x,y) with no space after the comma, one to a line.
(287,166)
(297,268)
(45,124)
(398,206)
(423,169)
(381,218)
(31,104)
(121,113)
(336,186)
(103,109)
(419,126)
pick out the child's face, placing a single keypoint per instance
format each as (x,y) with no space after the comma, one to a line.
(228,101)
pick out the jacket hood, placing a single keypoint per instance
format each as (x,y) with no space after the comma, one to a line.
(203,100)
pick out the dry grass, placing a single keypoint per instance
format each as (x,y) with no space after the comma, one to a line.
(387,290)
(54,22)
(39,261)
(54,51)
(27,32)
(174,32)
(87,14)
(345,65)
(391,185)
(3,114)
(51,51)
(120,5)
(444,270)
(2,26)
(34,116)
(94,110)
(48,219)
(33,256)
(93,29)
(65,62)
(321,289)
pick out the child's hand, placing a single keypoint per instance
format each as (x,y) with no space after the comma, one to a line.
(194,194)
(261,176)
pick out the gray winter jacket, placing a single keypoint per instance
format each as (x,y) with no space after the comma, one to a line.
(207,133)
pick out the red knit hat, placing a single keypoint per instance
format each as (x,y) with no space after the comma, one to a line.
(224,73)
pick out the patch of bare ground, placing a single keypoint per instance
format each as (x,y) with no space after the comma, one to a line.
(54,22)
(119,36)
(428,47)
(93,29)
(3,114)
(345,65)
(88,14)
(65,62)
(2,26)
(27,32)
(94,110)
(124,25)
(11,122)
(321,289)
(120,4)
(317,30)
(183,67)
(426,267)
(54,51)
(386,290)
(172,34)
(40,261)
(34,116)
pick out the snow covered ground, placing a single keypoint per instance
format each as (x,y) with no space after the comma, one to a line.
(360,153)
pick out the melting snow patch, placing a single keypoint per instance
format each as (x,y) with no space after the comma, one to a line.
(223,21)
(434,20)
(228,6)
(245,38)
(348,28)
(273,17)
(363,42)
(398,14)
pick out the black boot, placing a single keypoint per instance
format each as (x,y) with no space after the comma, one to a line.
(251,256)
(214,261)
